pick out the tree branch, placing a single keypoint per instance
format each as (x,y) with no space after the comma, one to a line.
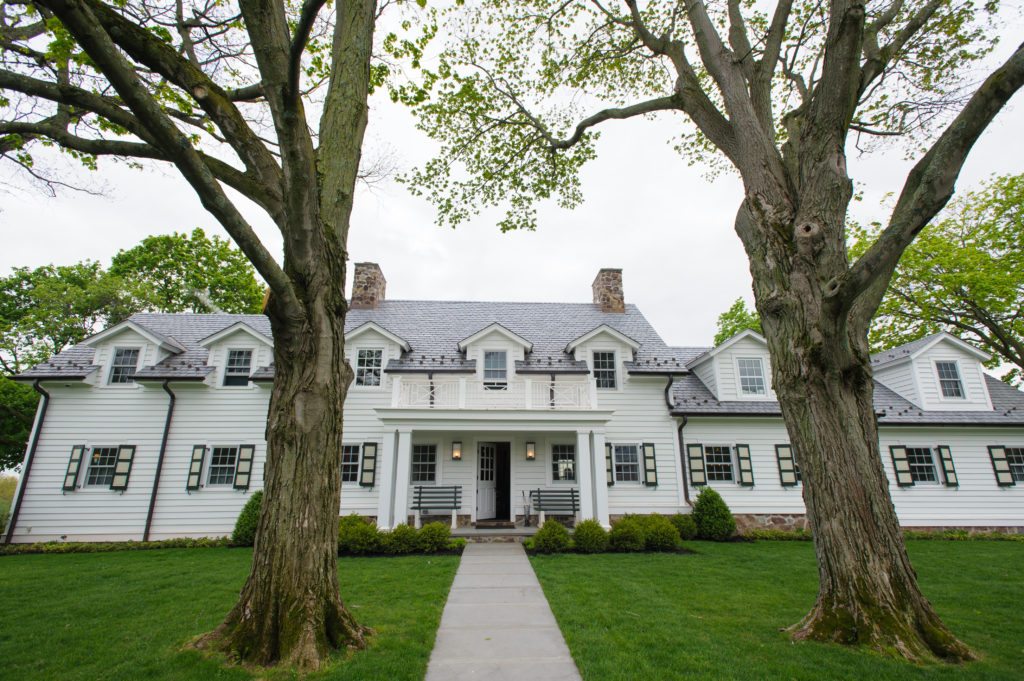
(310,8)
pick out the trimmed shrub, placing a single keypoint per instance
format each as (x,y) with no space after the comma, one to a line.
(356,537)
(106,547)
(627,535)
(552,537)
(778,535)
(457,544)
(401,540)
(713,518)
(685,526)
(434,537)
(660,534)
(245,526)
(590,537)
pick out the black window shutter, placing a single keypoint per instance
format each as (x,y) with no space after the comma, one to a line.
(122,467)
(695,456)
(948,470)
(609,467)
(243,470)
(368,475)
(746,467)
(74,465)
(650,466)
(195,468)
(901,466)
(1004,476)
(787,469)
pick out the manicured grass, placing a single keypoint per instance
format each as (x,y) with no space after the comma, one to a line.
(126,615)
(717,614)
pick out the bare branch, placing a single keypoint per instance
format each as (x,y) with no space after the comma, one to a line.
(310,8)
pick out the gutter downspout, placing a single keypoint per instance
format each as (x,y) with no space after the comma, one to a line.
(682,424)
(29,458)
(160,459)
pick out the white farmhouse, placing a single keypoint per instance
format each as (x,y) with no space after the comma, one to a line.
(481,412)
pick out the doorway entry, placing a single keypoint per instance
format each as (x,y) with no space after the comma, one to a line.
(494,481)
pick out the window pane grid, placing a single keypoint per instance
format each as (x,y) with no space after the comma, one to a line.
(101,466)
(1015,457)
(627,463)
(718,461)
(238,367)
(563,462)
(122,369)
(949,379)
(922,465)
(368,367)
(495,370)
(751,376)
(424,463)
(222,466)
(604,369)
(350,463)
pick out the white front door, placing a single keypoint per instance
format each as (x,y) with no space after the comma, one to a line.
(485,489)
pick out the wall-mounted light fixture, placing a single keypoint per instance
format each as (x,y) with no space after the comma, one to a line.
(531,451)
(456,451)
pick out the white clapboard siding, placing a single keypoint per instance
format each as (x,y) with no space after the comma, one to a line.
(900,379)
(726,371)
(971,377)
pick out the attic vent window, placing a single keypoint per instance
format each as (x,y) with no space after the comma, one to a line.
(238,368)
(949,380)
(122,369)
(751,376)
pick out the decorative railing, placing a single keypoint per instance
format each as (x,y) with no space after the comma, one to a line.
(465,393)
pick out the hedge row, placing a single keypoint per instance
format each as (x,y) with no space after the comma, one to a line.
(359,537)
(631,533)
(104,547)
(933,535)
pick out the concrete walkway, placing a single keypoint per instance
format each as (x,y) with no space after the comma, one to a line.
(497,624)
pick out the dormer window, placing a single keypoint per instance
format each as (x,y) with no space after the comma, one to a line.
(949,380)
(751,376)
(368,366)
(604,370)
(495,370)
(122,368)
(238,368)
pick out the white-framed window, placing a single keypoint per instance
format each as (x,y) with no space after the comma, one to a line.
(751,371)
(922,464)
(222,466)
(238,367)
(495,370)
(563,463)
(424,463)
(369,363)
(626,461)
(718,463)
(102,461)
(350,463)
(1015,458)
(124,364)
(949,379)
(604,369)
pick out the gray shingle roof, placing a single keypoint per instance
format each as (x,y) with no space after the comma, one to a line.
(900,352)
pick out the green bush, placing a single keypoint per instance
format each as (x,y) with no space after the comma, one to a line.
(357,537)
(962,535)
(248,519)
(685,526)
(778,535)
(590,537)
(457,544)
(106,547)
(660,534)
(401,540)
(552,537)
(713,518)
(627,535)
(434,537)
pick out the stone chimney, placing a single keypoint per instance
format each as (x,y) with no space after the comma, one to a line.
(368,286)
(608,291)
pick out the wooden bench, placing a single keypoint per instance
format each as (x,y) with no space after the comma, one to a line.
(437,498)
(556,501)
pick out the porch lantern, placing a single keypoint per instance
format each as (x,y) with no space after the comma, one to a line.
(531,451)
(456,451)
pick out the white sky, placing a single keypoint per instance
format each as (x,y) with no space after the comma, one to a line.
(666,226)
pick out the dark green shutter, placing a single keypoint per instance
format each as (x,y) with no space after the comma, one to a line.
(368,475)
(74,465)
(650,466)
(608,464)
(746,477)
(695,456)
(787,466)
(122,467)
(243,470)
(195,468)
(1004,476)
(948,470)
(901,466)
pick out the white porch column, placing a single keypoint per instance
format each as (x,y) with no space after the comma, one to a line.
(403,468)
(584,475)
(600,481)
(386,481)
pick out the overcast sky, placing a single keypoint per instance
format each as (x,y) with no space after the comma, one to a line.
(645,211)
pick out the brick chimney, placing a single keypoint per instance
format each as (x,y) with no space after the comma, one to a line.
(368,286)
(608,291)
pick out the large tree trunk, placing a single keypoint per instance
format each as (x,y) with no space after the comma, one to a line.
(290,611)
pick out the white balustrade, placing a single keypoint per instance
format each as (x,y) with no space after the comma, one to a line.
(464,393)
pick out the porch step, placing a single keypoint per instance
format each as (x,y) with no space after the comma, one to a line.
(478,535)
(495,524)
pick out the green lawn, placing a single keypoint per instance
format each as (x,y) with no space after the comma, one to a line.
(717,614)
(126,615)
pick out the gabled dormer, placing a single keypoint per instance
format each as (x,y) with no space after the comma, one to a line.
(496,349)
(235,352)
(739,369)
(368,348)
(605,350)
(937,373)
(125,348)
